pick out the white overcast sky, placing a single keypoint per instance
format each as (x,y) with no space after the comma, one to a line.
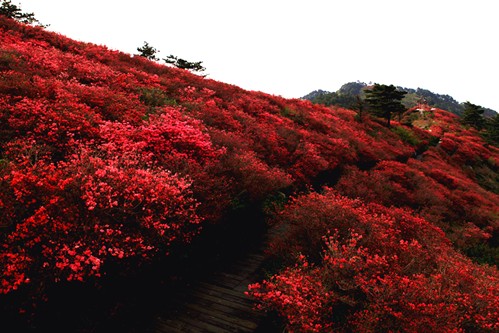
(292,47)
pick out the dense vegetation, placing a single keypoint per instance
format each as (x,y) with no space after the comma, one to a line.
(345,97)
(358,96)
(109,160)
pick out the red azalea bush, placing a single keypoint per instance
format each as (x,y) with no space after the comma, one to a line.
(378,270)
(299,295)
(70,218)
(437,187)
(78,192)
(111,159)
(256,178)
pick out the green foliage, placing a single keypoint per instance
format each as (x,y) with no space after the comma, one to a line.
(344,97)
(3,164)
(315,94)
(487,176)
(473,116)
(274,203)
(7,59)
(358,118)
(406,136)
(440,101)
(148,51)
(483,254)
(184,64)
(296,116)
(359,107)
(492,130)
(434,140)
(155,97)
(352,88)
(410,100)
(384,100)
(332,98)
(410,118)
(12,11)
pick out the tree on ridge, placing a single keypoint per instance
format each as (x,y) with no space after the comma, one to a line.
(8,9)
(384,100)
(473,115)
(148,51)
(184,64)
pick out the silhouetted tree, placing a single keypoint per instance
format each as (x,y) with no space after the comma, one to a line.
(359,106)
(148,51)
(473,115)
(492,127)
(184,64)
(385,100)
(7,8)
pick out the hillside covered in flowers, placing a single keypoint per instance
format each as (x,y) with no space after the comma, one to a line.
(111,160)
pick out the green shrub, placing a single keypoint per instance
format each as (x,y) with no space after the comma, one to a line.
(155,97)
(406,136)
(295,116)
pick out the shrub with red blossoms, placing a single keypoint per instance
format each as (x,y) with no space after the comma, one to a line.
(299,296)
(107,160)
(77,215)
(377,270)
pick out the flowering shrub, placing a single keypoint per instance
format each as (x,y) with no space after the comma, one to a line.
(438,190)
(257,178)
(380,270)
(122,207)
(298,295)
(107,160)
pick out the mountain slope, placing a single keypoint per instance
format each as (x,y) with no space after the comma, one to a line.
(345,97)
(108,161)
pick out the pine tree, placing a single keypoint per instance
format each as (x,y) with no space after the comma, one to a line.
(473,116)
(184,64)
(359,106)
(492,127)
(383,101)
(8,9)
(148,51)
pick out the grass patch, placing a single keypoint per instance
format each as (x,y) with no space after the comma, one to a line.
(406,136)
(154,97)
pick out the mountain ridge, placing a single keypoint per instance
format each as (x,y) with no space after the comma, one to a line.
(345,96)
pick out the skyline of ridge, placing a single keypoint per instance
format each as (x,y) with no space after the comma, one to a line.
(294,47)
